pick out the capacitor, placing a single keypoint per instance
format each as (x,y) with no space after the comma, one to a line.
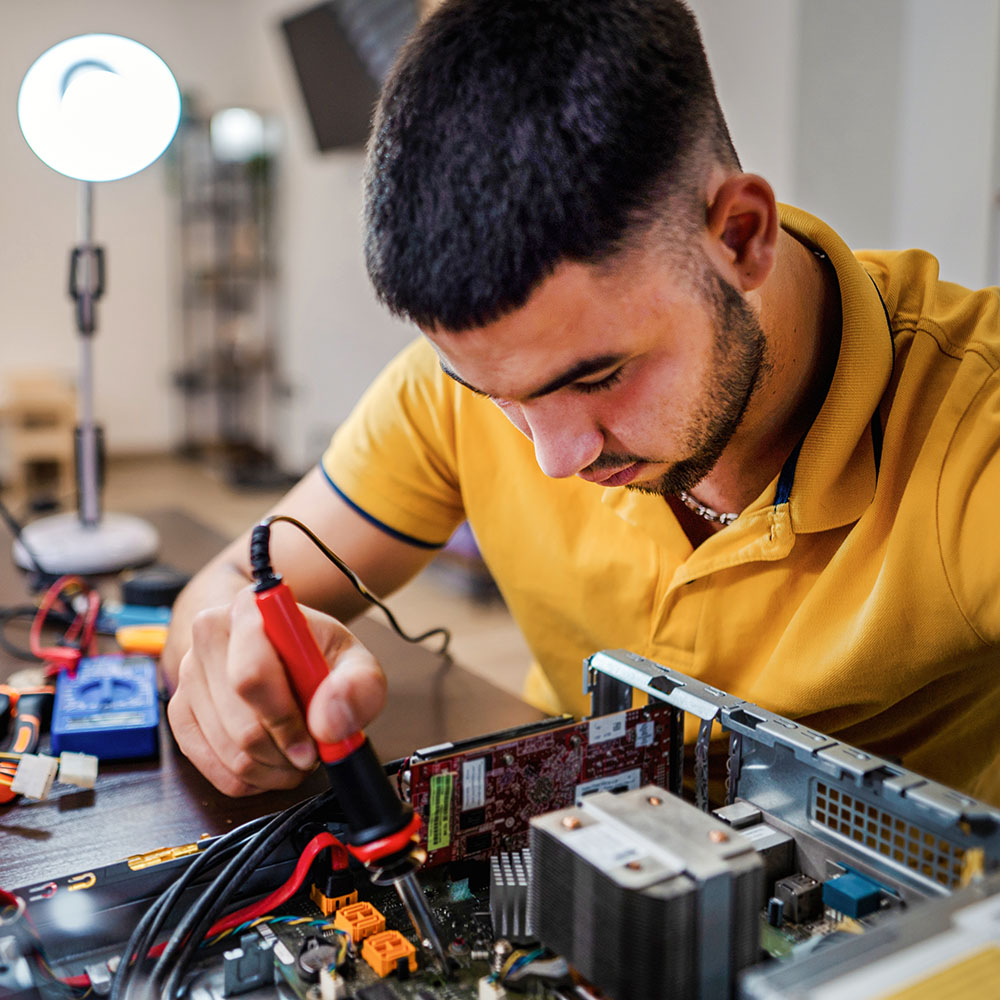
(315,954)
(459,947)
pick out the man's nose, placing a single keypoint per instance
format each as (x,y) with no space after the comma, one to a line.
(564,442)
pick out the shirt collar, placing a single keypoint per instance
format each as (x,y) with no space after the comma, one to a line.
(836,472)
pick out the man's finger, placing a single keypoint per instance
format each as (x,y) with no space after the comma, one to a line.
(193,744)
(351,695)
(256,674)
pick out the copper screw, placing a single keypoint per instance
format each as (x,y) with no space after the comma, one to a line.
(655,800)
(635,866)
(571,822)
(718,836)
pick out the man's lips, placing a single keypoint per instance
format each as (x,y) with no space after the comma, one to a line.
(621,477)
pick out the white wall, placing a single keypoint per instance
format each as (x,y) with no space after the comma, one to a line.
(896,125)
(227,52)
(336,336)
(946,166)
(134,218)
(847,116)
(878,116)
(752,47)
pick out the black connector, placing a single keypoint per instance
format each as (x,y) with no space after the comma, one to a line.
(365,794)
(260,557)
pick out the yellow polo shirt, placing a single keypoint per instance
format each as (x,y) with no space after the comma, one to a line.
(867,604)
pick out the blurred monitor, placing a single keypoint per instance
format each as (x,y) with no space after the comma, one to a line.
(342,51)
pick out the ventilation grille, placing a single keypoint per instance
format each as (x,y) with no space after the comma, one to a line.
(897,840)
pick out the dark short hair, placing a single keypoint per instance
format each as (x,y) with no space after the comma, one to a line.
(515,134)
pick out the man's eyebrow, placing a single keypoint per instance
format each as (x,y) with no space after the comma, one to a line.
(458,378)
(582,368)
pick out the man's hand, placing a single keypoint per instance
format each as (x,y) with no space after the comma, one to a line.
(234,714)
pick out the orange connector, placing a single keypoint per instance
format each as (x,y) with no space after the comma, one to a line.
(359,920)
(383,952)
(330,904)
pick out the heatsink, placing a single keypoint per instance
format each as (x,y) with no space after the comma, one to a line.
(645,895)
(510,876)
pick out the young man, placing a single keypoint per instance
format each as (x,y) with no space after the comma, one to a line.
(680,420)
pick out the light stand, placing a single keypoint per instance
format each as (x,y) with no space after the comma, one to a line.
(96,108)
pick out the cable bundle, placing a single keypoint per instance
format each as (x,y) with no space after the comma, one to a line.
(233,858)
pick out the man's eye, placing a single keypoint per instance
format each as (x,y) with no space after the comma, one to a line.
(605,383)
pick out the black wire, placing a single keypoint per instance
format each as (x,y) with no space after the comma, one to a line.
(207,910)
(221,887)
(27,611)
(144,935)
(189,932)
(10,615)
(18,532)
(358,585)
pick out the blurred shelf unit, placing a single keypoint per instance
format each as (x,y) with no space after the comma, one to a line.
(227,373)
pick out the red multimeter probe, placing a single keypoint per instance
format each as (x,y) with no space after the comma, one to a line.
(383,829)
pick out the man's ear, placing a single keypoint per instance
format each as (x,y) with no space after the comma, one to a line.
(742,224)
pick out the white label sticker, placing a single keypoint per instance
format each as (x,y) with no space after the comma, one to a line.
(608,727)
(609,783)
(473,783)
(644,733)
(283,955)
(602,846)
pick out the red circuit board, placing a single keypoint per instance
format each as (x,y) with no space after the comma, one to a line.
(479,801)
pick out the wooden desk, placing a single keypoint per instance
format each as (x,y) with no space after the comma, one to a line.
(140,806)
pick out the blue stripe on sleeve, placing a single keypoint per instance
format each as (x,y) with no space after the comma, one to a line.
(409,539)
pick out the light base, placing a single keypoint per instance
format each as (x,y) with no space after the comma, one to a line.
(62,544)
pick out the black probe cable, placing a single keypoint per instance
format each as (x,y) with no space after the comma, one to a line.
(224,883)
(144,935)
(188,934)
(357,582)
(28,612)
(17,531)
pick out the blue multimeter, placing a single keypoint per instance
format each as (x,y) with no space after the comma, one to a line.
(110,708)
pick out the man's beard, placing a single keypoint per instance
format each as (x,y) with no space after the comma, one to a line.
(739,360)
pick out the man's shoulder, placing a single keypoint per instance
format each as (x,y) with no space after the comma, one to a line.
(959,320)
(945,405)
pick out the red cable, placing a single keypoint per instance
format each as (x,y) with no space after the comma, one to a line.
(281,895)
(81,981)
(80,632)
(322,841)
(339,860)
(8,898)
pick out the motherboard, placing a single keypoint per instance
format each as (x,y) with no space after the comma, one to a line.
(563,864)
